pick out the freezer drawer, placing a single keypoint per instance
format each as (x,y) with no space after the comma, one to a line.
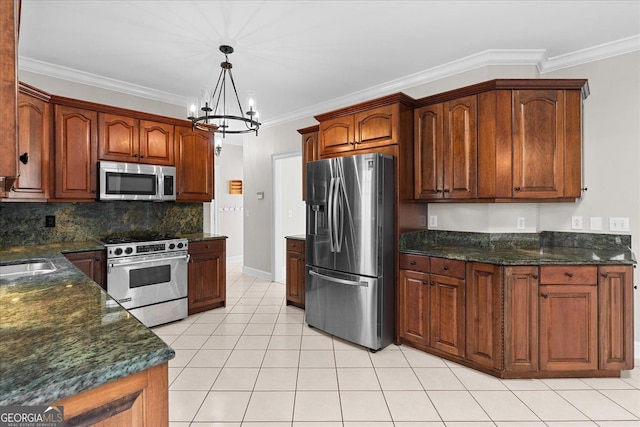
(354,308)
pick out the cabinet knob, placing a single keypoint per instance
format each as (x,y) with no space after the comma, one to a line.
(135,155)
(584,189)
(535,276)
(605,275)
(96,259)
(24,158)
(517,188)
(446,190)
(412,263)
(438,190)
(424,282)
(432,283)
(142,157)
(545,296)
(445,268)
(569,274)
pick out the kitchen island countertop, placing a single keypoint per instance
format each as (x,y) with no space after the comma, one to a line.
(62,334)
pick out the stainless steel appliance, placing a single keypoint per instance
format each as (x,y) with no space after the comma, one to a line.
(133,181)
(147,275)
(350,248)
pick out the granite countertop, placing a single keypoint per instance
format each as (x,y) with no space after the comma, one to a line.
(62,334)
(199,237)
(297,237)
(543,248)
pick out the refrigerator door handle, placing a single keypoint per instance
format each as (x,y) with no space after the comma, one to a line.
(341,281)
(339,213)
(330,213)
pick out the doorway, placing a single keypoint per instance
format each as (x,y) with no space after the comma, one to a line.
(289,209)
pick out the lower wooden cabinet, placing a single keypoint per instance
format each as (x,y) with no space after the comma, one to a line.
(91,263)
(139,400)
(207,275)
(295,282)
(520,321)
(432,307)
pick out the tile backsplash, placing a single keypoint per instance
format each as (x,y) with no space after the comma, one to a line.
(24,223)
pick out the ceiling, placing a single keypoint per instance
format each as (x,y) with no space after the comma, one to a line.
(307,57)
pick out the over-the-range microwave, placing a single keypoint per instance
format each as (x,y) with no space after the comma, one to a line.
(133,181)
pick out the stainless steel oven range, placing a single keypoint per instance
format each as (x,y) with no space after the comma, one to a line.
(147,275)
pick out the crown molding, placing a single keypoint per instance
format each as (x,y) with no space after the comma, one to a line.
(492,57)
(595,53)
(77,76)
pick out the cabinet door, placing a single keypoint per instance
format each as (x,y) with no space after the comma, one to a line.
(295,278)
(615,305)
(336,135)
(92,264)
(447,313)
(194,167)
(76,153)
(118,138)
(538,143)
(428,156)
(9,23)
(460,148)
(309,154)
(414,307)
(375,128)
(156,143)
(484,315)
(206,278)
(521,318)
(34,127)
(568,327)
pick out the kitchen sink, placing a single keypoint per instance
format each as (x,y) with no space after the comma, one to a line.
(28,268)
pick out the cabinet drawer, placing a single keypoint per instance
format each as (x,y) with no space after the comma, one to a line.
(206,246)
(414,262)
(448,267)
(568,275)
(295,245)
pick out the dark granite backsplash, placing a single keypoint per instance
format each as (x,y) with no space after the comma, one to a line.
(23,223)
(515,240)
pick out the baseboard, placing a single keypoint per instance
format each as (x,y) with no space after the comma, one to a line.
(266,275)
(636,353)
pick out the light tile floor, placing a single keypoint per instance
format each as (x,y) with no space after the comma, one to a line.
(255,363)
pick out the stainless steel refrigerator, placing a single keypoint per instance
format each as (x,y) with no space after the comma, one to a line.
(350,248)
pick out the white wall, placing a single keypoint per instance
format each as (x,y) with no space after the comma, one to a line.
(258,214)
(229,207)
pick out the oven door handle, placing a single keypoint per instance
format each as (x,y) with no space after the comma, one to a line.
(185,257)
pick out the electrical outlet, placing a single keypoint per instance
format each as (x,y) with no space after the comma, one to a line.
(618,224)
(433,221)
(576,223)
(520,223)
(50,221)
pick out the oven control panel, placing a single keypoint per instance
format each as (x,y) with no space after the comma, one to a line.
(142,248)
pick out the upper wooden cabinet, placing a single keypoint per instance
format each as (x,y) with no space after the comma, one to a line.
(126,139)
(309,153)
(509,139)
(9,23)
(445,150)
(366,126)
(194,166)
(76,153)
(33,148)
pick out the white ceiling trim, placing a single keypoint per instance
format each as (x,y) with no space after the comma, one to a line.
(595,53)
(534,57)
(472,62)
(77,76)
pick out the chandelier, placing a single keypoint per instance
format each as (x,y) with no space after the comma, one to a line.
(215,111)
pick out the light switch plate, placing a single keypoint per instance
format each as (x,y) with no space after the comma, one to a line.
(595,223)
(433,221)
